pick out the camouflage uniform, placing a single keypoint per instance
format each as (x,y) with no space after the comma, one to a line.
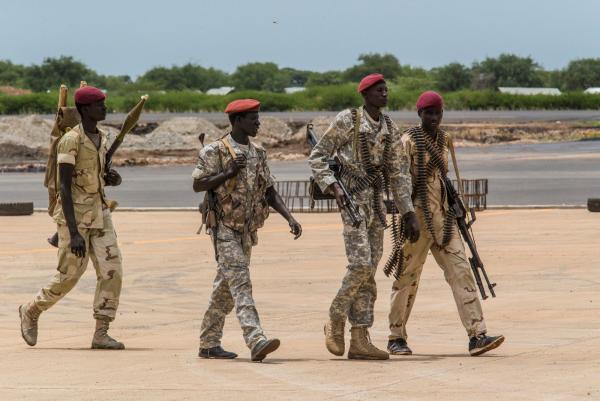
(451,259)
(94,223)
(364,245)
(242,210)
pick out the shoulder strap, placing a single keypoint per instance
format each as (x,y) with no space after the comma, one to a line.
(232,182)
(225,142)
(455,164)
(356,117)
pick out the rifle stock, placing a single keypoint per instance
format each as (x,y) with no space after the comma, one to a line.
(455,202)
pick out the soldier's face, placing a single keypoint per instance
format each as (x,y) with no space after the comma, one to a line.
(95,111)
(377,95)
(249,123)
(431,117)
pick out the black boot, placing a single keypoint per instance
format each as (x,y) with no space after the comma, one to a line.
(216,353)
(262,348)
(482,343)
(398,347)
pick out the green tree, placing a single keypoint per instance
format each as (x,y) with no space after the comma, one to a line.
(452,77)
(259,76)
(386,64)
(506,70)
(55,71)
(325,78)
(188,76)
(582,74)
(11,74)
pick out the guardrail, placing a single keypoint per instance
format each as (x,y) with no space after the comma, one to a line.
(297,198)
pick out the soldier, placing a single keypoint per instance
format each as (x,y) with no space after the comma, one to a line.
(236,173)
(85,228)
(368,145)
(427,148)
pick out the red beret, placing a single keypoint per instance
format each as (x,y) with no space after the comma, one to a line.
(429,99)
(242,105)
(369,81)
(88,95)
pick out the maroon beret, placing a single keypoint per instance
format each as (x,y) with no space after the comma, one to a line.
(88,95)
(369,81)
(429,99)
(242,106)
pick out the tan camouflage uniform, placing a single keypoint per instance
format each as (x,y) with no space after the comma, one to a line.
(243,209)
(364,245)
(93,217)
(451,259)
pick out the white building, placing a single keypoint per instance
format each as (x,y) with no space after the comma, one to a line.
(592,91)
(530,91)
(294,89)
(222,91)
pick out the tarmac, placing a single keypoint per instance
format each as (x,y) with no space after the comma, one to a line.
(545,262)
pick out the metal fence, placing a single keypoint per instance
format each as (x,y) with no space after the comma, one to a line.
(297,198)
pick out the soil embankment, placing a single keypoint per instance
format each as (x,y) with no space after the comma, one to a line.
(24,139)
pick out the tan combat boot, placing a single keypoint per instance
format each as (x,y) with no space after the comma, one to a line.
(361,346)
(29,315)
(101,338)
(334,337)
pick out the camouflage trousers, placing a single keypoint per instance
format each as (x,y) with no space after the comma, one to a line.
(232,288)
(457,272)
(356,297)
(102,248)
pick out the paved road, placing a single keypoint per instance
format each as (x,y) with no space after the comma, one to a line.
(406,116)
(541,174)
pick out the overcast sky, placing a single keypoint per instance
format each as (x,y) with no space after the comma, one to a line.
(129,37)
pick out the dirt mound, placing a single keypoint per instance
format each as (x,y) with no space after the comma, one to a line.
(31,131)
(273,133)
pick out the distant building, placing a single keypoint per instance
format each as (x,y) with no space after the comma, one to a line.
(222,91)
(530,91)
(592,91)
(294,89)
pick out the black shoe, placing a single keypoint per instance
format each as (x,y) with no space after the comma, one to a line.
(398,347)
(482,343)
(262,348)
(216,353)
(53,240)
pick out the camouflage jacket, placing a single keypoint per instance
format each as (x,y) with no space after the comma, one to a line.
(339,140)
(241,200)
(87,187)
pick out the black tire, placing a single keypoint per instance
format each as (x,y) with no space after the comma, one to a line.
(594,204)
(16,209)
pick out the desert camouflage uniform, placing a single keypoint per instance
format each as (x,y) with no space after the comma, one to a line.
(93,217)
(242,210)
(364,245)
(451,259)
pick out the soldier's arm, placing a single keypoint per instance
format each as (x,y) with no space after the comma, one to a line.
(399,170)
(208,174)
(331,141)
(66,153)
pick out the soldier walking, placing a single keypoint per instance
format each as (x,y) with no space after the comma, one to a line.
(235,172)
(368,145)
(427,148)
(85,228)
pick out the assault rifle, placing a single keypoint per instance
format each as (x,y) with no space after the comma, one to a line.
(208,210)
(335,165)
(456,204)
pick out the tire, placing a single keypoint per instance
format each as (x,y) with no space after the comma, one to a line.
(16,209)
(593,204)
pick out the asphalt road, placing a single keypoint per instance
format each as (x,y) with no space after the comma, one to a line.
(541,174)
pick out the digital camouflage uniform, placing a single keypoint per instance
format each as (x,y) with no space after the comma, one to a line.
(242,210)
(364,245)
(451,259)
(94,223)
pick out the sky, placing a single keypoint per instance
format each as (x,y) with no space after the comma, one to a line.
(129,37)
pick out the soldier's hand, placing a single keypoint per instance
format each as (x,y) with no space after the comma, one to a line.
(112,178)
(340,198)
(77,245)
(295,228)
(411,226)
(235,165)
